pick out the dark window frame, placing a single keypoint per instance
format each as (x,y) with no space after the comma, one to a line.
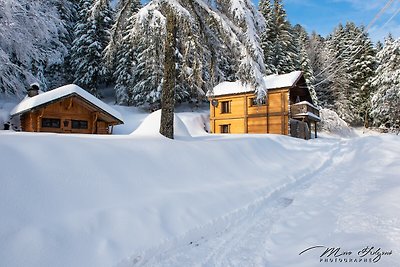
(225,128)
(79,124)
(226,107)
(254,102)
(51,123)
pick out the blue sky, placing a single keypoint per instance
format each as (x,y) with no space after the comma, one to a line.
(323,15)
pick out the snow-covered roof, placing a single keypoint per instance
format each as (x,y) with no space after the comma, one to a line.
(282,80)
(71,89)
(309,114)
(305,103)
(227,88)
(271,82)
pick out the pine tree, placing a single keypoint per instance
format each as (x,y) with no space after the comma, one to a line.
(91,38)
(317,56)
(304,63)
(192,76)
(61,73)
(338,77)
(125,54)
(385,102)
(378,46)
(360,68)
(213,45)
(124,65)
(266,36)
(26,61)
(350,64)
(283,48)
(147,74)
(251,67)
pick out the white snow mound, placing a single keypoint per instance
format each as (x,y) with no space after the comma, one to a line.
(332,123)
(151,126)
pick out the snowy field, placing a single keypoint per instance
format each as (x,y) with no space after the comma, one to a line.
(199,200)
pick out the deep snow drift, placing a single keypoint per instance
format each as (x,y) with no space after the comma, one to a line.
(198,200)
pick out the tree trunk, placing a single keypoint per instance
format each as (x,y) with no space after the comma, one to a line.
(168,91)
(366,122)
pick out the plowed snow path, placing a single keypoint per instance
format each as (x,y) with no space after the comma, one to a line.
(331,207)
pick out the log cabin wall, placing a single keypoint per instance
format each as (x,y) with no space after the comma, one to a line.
(228,115)
(69,115)
(240,114)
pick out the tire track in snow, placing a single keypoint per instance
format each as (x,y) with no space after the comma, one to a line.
(240,236)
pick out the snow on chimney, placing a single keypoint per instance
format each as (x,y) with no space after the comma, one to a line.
(33,90)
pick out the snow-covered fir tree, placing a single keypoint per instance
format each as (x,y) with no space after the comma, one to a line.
(360,67)
(317,56)
(221,40)
(378,46)
(191,76)
(339,87)
(214,43)
(125,56)
(266,36)
(60,74)
(246,17)
(30,43)
(386,100)
(92,34)
(304,64)
(349,66)
(147,74)
(324,61)
(284,51)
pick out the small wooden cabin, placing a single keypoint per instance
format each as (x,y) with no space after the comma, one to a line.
(288,108)
(68,109)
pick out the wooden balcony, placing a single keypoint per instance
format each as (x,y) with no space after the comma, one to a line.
(304,110)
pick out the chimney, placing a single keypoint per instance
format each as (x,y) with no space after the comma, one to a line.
(33,90)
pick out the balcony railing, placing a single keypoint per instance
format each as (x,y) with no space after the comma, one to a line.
(304,109)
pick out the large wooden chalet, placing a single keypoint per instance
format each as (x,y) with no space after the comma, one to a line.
(287,109)
(68,109)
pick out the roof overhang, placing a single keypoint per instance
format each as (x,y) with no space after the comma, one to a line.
(41,100)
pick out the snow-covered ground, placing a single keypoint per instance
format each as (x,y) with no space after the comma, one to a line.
(199,200)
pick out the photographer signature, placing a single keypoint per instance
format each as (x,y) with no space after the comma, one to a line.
(374,253)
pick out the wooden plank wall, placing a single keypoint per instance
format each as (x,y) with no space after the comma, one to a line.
(71,108)
(235,118)
(278,112)
(248,118)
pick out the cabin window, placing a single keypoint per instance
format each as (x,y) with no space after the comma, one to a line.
(79,124)
(257,102)
(225,128)
(226,107)
(51,123)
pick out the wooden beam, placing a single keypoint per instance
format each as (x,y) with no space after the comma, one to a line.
(96,115)
(282,113)
(70,103)
(315,128)
(267,115)
(31,122)
(246,115)
(39,119)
